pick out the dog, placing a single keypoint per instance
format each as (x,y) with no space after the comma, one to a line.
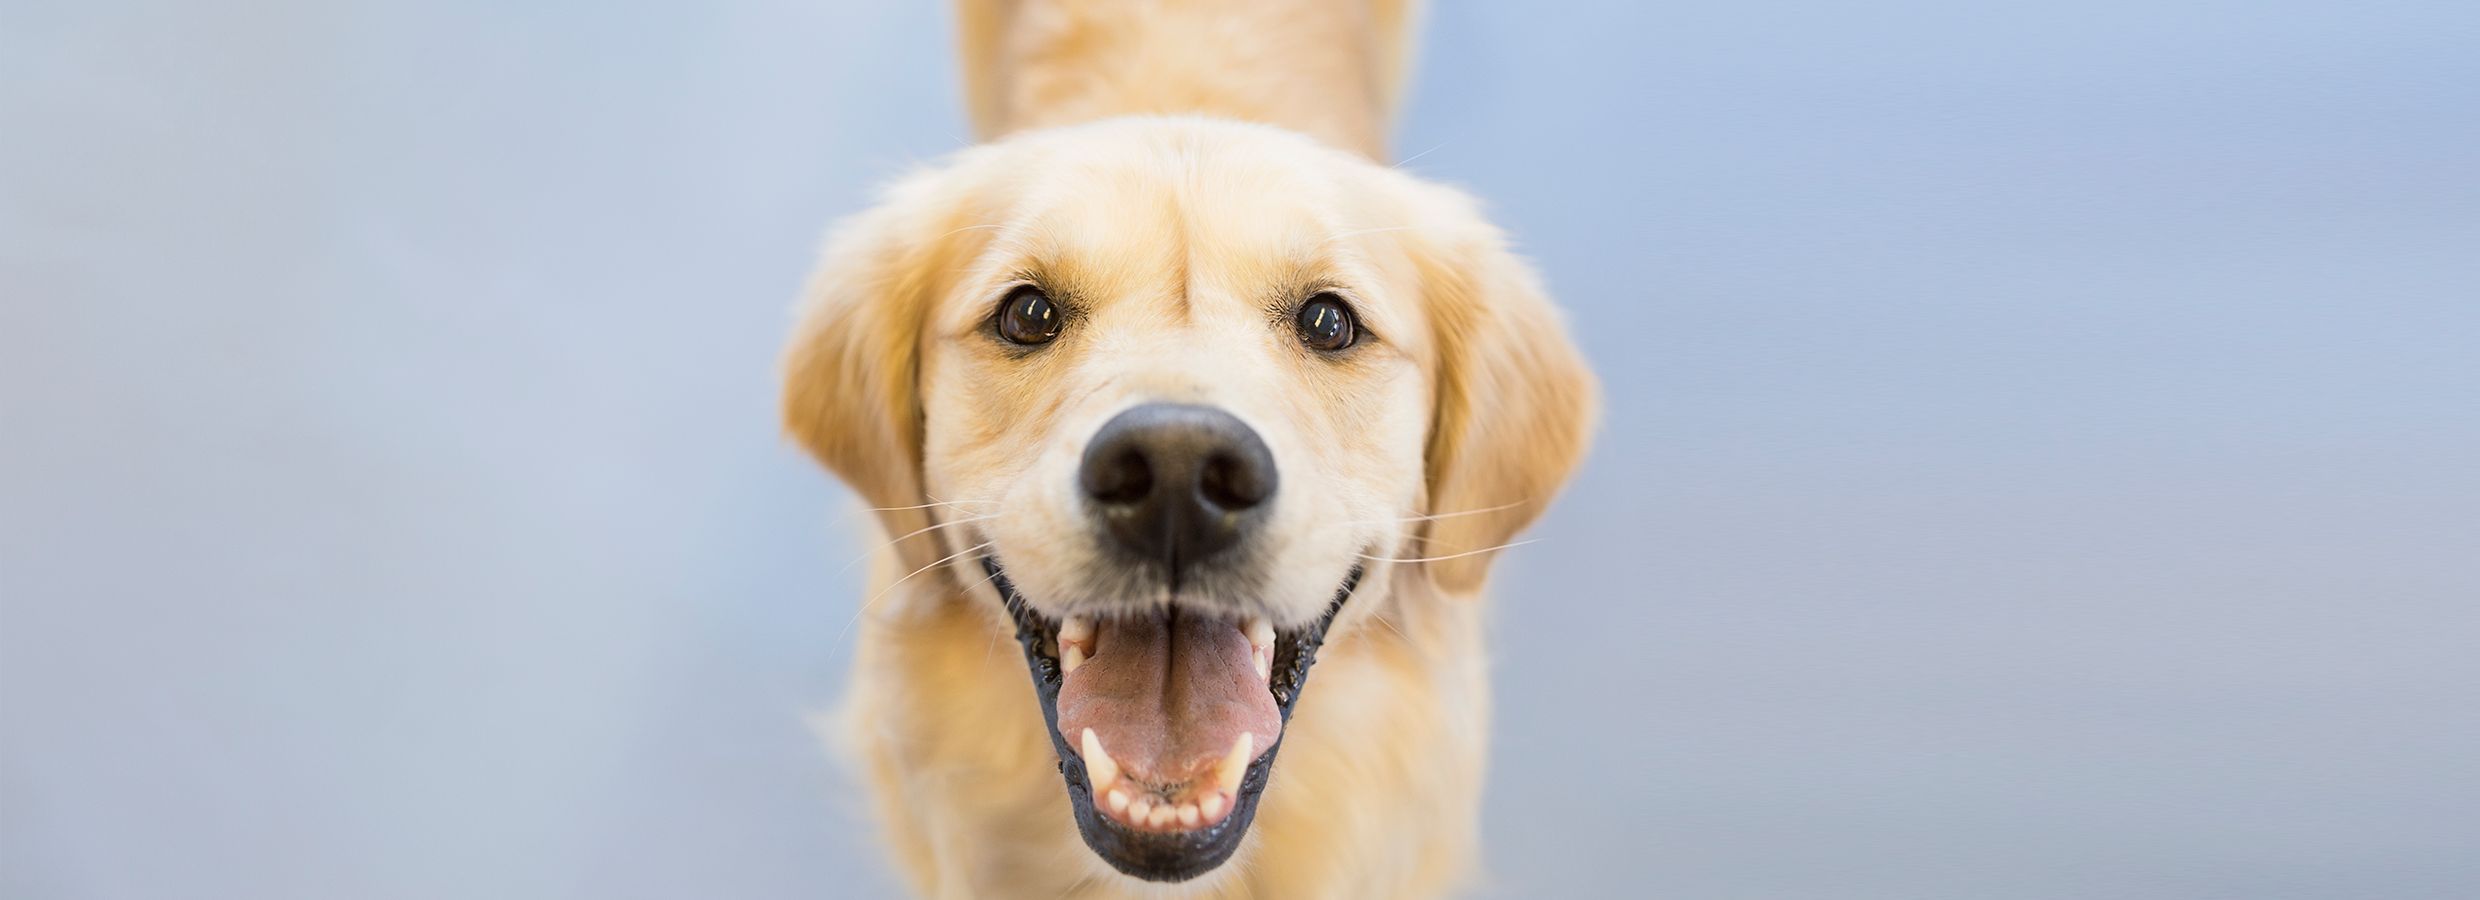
(1171,399)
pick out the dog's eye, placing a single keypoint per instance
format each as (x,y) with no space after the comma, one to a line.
(1325,323)
(1027,316)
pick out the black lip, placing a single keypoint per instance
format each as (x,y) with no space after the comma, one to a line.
(1148,855)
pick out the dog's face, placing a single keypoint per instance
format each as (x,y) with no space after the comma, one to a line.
(1177,391)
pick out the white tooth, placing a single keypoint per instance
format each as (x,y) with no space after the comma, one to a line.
(1161,817)
(1235,764)
(1076,630)
(1072,656)
(1119,800)
(1260,631)
(1213,806)
(1263,659)
(1188,815)
(1099,765)
(1137,811)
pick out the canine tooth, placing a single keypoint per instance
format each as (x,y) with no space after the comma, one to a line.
(1162,816)
(1072,656)
(1076,630)
(1213,805)
(1261,646)
(1138,810)
(1098,764)
(1119,800)
(1260,632)
(1235,764)
(1188,815)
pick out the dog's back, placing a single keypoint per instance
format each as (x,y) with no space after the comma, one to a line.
(1332,69)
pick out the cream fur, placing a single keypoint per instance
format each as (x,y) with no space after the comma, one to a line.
(1180,238)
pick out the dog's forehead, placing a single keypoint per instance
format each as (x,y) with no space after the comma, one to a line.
(1107,220)
(1181,209)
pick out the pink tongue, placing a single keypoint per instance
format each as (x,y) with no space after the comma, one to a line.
(1168,696)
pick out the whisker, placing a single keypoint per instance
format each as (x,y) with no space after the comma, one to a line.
(1469,512)
(932,503)
(994,576)
(914,533)
(1406,161)
(1431,517)
(974,228)
(1390,626)
(874,598)
(1450,555)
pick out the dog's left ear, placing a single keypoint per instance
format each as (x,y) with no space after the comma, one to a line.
(1515,405)
(852,369)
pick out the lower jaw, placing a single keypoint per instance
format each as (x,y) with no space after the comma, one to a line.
(1161,856)
(1155,855)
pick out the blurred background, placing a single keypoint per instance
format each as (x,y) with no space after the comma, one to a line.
(2043,451)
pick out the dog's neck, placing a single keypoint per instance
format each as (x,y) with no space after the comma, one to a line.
(1332,69)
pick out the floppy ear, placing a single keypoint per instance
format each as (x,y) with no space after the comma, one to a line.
(852,369)
(1515,405)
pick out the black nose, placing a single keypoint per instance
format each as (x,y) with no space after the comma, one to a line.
(1177,483)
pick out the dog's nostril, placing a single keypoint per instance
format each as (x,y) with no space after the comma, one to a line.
(1234,483)
(1121,478)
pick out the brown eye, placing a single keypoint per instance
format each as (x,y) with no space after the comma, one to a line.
(1326,324)
(1027,316)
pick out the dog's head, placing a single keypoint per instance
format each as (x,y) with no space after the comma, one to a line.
(1175,390)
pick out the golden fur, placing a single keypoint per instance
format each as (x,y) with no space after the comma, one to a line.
(1181,169)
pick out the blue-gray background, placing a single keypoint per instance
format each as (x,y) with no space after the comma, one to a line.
(2043,453)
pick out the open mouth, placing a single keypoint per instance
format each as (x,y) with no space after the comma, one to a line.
(1166,724)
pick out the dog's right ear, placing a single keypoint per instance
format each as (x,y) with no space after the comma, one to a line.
(852,370)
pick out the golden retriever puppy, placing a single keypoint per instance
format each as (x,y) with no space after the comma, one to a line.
(1168,399)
